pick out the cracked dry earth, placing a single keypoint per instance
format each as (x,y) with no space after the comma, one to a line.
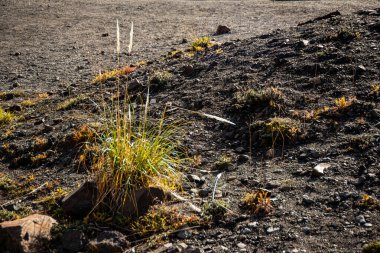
(51,50)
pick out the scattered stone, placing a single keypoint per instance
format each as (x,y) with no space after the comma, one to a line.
(320,168)
(306,200)
(241,245)
(184,41)
(222,29)
(165,248)
(105,34)
(73,240)
(253,224)
(184,234)
(361,69)
(271,230)
(203,193)
(26,235)
(188,71)
(194,178)
(306,230)
(360,219)
(109,241)
(367,225)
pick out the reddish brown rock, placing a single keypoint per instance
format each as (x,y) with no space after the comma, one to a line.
(26,235)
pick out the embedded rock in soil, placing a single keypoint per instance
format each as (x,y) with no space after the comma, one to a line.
(27,234)
(222,29)
(73,240)
(109,242)
(81,201)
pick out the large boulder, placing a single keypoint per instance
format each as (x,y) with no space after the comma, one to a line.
(25,235)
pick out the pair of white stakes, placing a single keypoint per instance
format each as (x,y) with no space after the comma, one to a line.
(118,38)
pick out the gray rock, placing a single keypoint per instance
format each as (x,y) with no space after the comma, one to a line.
(360,219)
(306,200)
(306,230)
(367,225)
(184,234)
(203,193)
(245,230)
(241,245)
(253,224)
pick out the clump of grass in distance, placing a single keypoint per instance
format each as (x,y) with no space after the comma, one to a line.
(342,103)
(224,162)
(257,202)
(368,202)
(102,77)
(215,210)
(161,219)
(71,102)
(6,183)
(200,44)
(160,78)
(5,117)
(277,130)
(266,97)
(135,152)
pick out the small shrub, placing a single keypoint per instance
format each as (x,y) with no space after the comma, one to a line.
(175,54)
(373,247)
(257,202)
(11,94)
(161,219)
(5,117)
(160,78)
(201,44)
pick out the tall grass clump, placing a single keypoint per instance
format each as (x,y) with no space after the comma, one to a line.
(136,152)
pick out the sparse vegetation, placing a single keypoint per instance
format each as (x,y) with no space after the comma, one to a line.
(215,210)
(368,202)
(224,162)
(102,77)
(277,130)
(7,95)
(160,78)
(6,215)
(342,103)
(5,117)
(161,219)
(200,44)
(71,102)
(257,202)
(6,183)
(270,96)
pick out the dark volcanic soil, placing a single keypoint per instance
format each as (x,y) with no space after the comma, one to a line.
(52,51)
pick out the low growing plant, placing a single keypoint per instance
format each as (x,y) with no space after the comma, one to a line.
(5,117)
(257,202)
